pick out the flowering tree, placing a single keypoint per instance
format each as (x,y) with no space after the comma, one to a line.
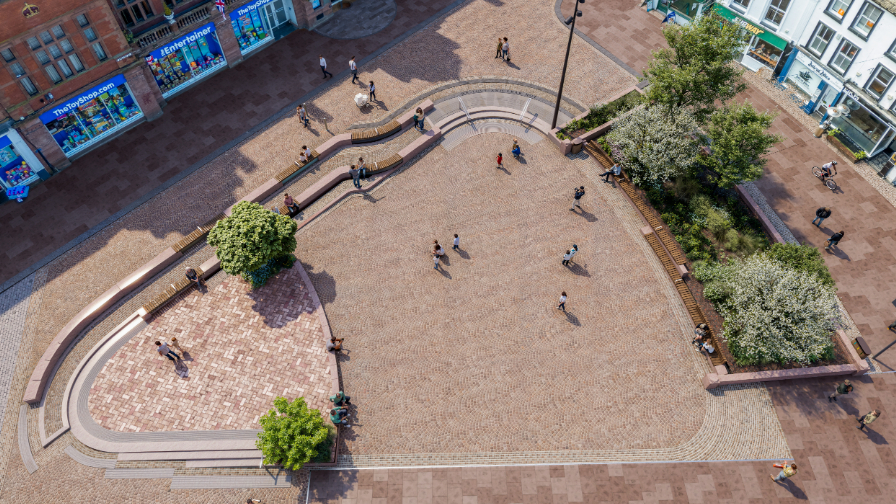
(772,313)
(654,145)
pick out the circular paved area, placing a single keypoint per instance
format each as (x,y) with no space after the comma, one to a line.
(476,357)
(363,18)
(245,348)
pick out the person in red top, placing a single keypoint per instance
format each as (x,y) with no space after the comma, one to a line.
(500,160)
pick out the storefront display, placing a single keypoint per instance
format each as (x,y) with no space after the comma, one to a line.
(764,49)
(250,27)
(810,80)
(764,52)
(182,62)
(84,120)
(14,169)
(862,126)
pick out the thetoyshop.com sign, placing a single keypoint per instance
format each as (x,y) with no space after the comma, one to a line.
(87,96)
(248,8)
(181,42)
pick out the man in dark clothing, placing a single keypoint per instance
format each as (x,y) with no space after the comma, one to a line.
(578,195)
(834,240)
(820,215)
(842,389)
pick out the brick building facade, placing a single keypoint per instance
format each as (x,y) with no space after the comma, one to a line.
(77,72)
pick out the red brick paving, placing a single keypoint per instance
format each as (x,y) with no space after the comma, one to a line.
(195,123)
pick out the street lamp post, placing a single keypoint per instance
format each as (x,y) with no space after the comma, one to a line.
(572,27)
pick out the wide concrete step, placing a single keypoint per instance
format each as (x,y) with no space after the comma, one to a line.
(242,462)
(193,455)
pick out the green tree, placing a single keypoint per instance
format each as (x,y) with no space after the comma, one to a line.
(740,141)
(291,434)
(697,69)
(251,238)
(802,258)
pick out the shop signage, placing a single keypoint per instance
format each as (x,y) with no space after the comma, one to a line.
(171,47)
(242,11)
(18,192)
(29,11)
(126,56)
(848,92)
(88,95)
(818,69)
(750,28)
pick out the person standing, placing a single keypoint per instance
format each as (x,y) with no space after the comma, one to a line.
(576,197)
(787,471)
(303,116)
(820,215)
(176,345)
(615,170)
(500,47)
(842,389)
(867,419)
(323,67)
(418,119)
(566,257)
(505,50)
(500,161)
(354,68)
(372,90)
(164,351)
(362,168)
(435,260)
(515,149)
(456,242)
(572,251)
(356,174)
(834,240)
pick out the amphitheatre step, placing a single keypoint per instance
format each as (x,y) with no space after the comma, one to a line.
(238,462)
(281,480)
(191,455)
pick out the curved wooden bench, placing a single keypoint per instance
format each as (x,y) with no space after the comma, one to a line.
(386,164)
(374,134)
(194,237)
(172,290)
(296,168)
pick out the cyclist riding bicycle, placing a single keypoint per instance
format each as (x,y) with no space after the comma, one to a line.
(826,170)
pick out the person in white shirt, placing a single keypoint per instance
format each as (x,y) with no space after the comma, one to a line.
(323,67)
(566,257)
(307,152)
(572,251)
(354,68)
(562,305)
(456,242)
(372,90)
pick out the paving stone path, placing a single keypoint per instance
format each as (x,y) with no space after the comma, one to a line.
(361,19)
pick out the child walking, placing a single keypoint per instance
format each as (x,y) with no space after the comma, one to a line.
(500,161)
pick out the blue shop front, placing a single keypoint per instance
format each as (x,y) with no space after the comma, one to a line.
(18,165)
(817,88)
(187,60)
(260,22)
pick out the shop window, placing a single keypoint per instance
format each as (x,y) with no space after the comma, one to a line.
(66,70)
(89,34)
(764,52)
(100,53)
(7,55)
(844,57)
(16,69)
(837,9)
(76,62)
(33,43)
(54,51)
(866,20)
(53,74)
(29,86)
(743,4)
(820,40)
(58,31)
(776,11)
(42,57)
(66,46)
(879,82)
(82,20)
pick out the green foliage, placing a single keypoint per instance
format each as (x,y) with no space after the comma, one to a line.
(718,224)
(251,237)
(802,258)
(860,155)
(740,140)
(686,188)
(697,70)
(260,276)
(602,114)
(292,435)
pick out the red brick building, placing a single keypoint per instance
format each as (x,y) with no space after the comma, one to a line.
(77,72)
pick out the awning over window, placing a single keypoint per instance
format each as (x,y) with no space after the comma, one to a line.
(759,31)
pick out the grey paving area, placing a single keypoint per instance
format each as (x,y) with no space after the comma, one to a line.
(13,309)
(534,107)
(359,19)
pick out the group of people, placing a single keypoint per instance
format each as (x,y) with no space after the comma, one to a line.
(515,150)
(702,339)
(503,50)
(438,251)
(339,413)
(820,215)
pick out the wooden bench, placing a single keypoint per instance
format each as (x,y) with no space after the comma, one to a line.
(172,290)
(296,168)
(386,164)
(374,134)
(197,235)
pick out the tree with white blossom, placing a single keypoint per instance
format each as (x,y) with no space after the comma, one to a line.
(772,313)
(655,146)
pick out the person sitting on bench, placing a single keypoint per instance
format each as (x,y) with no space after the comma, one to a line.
(340,399)
(335,344)
(290,203)
(193,277)
(339,416)
(700,332)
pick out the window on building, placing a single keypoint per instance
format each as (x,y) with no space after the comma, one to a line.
(82,20)
(866,19)
(33,43)
(741,3)
(54,51)
(820,39)
(837,8)
(53,74)
(29,86)
(66,46)
(66,70)
(7,55)
(100,53)
(89,34)
(844,57)
(42,57)
(76,62)
(46,37)
(776,11)
(16,69)
(879,82)
(58,32)
(134,12)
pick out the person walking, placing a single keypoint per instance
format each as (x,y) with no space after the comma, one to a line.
(820,215)
(164,351)
(354,69)
(303,115)
(566,257)
(867,419)
(356,174)
(505,50)
(842,389)
(572,251)
(500,47)
(418,119)
(176,344)
(834,240)
(576,197)
(435,260)
(500,161)
(787,471)
(323,67)
(562,305)
(371,89)
(614,170)
(456,242)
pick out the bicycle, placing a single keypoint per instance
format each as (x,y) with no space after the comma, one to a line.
(827,181)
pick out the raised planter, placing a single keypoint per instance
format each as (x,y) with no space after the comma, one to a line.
(843,149)
(757,212)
